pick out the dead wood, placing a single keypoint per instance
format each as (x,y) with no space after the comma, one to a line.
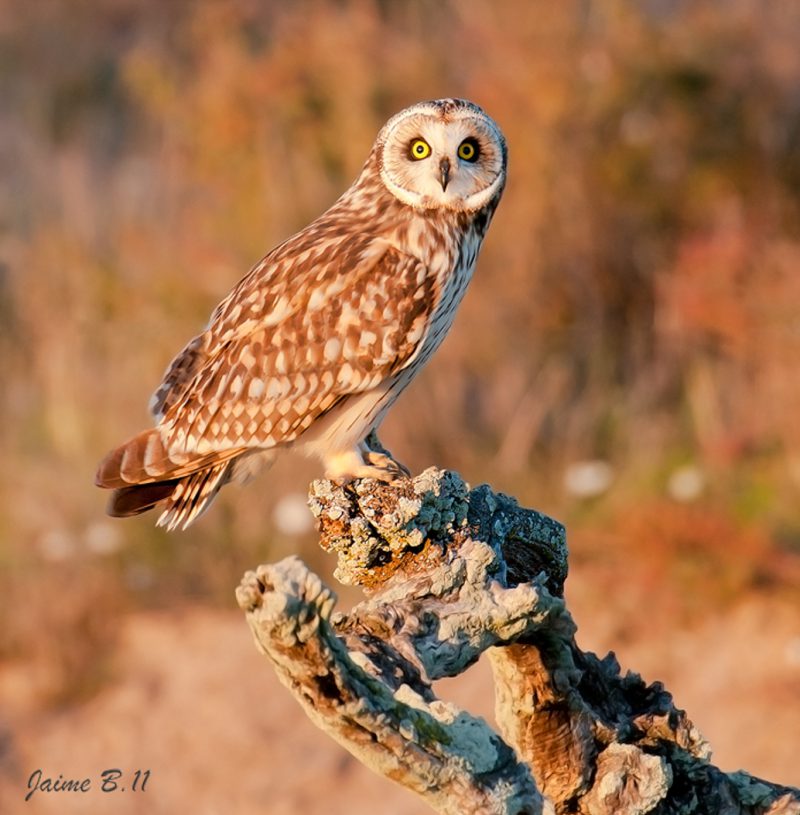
(449,573)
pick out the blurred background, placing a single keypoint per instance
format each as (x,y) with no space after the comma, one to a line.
(626,359)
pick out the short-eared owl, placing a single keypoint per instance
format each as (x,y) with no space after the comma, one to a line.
(313,346)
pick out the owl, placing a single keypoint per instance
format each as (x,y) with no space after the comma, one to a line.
(315,343)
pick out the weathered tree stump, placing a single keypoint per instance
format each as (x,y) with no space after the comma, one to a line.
(449,573)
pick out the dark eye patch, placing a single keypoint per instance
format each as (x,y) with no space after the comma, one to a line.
(469,150)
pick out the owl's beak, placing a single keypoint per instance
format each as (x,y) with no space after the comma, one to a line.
(444,173)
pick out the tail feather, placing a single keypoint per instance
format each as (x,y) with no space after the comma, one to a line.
(143,473)
(141,460)
(193,495)
(138,498)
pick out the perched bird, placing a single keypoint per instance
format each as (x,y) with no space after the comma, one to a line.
(316,342)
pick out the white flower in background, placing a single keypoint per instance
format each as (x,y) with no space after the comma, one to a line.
(292,516)
(686,483)
(588,479)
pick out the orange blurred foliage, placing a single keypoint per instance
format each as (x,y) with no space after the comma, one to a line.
(636,301)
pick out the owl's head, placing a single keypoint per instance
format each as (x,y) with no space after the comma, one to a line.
(442,154)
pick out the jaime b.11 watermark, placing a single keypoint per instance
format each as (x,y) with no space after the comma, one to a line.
(110,780)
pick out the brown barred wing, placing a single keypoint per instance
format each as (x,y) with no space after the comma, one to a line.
(266,388)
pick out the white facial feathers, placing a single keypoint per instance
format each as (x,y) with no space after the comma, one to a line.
(439,173)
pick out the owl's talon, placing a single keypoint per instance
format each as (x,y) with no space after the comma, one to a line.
(391,468)
(386,475)
(375,454)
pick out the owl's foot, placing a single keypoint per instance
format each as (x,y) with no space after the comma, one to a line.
(365,462)
(385,468)
(378,456)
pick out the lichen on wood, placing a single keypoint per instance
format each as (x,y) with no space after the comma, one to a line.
(449,572)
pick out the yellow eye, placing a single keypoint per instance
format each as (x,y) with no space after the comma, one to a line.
(468,150)
(419,149)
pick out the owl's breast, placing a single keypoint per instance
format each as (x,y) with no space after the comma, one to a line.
(452,272)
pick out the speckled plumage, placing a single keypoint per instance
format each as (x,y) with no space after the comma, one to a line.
(315,343)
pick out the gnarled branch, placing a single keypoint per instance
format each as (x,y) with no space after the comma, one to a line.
(449,573)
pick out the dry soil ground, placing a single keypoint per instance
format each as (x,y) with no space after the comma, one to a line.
(194,703)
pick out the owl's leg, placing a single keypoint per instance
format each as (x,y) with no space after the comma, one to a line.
(364,462)
(377,455)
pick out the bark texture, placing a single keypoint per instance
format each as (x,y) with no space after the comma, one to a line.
(450,572)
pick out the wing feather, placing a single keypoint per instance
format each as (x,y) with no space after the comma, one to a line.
(340,330)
